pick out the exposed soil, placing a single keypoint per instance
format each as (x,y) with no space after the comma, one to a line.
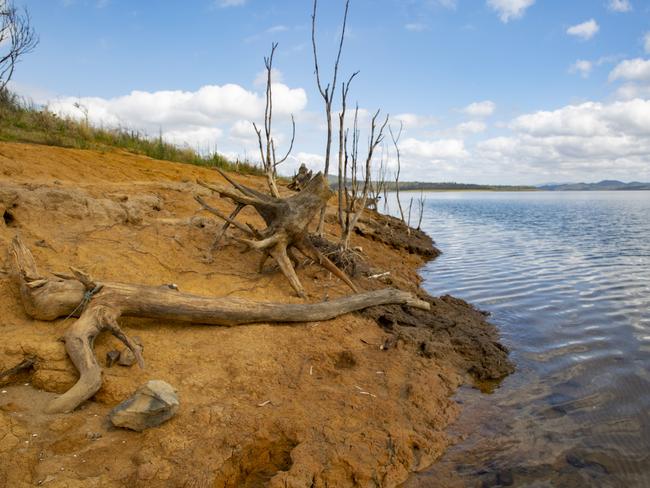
(362,400)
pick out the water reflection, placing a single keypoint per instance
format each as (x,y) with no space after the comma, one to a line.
(567,279)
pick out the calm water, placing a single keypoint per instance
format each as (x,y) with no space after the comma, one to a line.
(566,277)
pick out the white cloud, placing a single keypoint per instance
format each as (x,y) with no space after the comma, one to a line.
(436,150)
(202,139)
(260,78)
(192,117)
(416,27)
(315,162)
(471,127)
(230,3)
(583,67)
(646,42)
(480,109)
(414,121)
(607,139)
(243,130)
(619,5)
(631,70)
(510,9)
(584,31)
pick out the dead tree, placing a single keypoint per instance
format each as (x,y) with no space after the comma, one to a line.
(17,38)
(345,88)
(399,165)
(327,92)
(421,201)
(356,198)
(266,142)
(287,221)
(99,305)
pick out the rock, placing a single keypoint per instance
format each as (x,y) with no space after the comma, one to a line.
(112,357)
(93,436)
(127,358)
(151,405)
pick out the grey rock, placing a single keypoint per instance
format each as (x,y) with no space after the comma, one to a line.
(127,358)
(151,405)
(112,357)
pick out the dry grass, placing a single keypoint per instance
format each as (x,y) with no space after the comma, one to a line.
(21,121)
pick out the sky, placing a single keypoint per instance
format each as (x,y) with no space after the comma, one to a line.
(488,91)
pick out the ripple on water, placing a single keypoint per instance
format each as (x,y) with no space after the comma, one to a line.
(566,277)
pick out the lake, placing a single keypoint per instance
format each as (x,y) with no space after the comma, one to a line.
(566,277)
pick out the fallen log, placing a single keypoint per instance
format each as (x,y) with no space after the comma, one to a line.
(99,305)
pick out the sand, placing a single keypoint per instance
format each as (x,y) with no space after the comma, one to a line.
(362,400)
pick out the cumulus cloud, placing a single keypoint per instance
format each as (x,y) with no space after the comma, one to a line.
(584,31)
(631,70)
(471,127)
(276,77)
(606,138)
(480,109)
(510,9)
(315,162)
(583,67)
(414,121)
(182,114)
(436,150)
(619,5)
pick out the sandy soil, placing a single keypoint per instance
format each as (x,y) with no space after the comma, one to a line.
(362,400)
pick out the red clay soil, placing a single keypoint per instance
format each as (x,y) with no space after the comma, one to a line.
(361,400)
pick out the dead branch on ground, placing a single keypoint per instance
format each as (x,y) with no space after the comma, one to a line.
(99,305)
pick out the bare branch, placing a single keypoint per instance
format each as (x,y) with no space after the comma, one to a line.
(293,139)
(17,38)
(399,165)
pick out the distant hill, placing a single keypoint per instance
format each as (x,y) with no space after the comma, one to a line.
(605,185)
(449,186)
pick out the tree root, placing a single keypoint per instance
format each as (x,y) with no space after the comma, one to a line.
(287,221)
(100,304)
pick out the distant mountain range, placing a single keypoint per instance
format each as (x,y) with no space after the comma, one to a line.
(605,185)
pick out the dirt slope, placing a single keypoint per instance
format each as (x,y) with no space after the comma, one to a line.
(316,404)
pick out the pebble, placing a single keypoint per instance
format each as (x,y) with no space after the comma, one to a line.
(151,405)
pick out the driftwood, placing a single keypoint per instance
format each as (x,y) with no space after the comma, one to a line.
(301,178)
(287,221)
(99,305)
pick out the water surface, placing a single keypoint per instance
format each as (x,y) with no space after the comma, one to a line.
(566,276)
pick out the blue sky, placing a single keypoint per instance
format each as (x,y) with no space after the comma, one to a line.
(489,91)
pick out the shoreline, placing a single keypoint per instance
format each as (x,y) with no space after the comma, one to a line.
(261,405)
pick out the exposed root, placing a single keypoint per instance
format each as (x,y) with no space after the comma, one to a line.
(287,222)
(100,304)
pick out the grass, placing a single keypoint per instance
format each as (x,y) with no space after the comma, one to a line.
(24,122)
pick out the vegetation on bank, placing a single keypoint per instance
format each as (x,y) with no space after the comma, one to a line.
(21,121)
(430,186)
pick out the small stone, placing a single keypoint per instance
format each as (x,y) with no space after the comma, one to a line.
(151,405)
(93,436)
(112,357)
(127,358)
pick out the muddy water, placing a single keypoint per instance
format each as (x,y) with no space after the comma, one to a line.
(566,277)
